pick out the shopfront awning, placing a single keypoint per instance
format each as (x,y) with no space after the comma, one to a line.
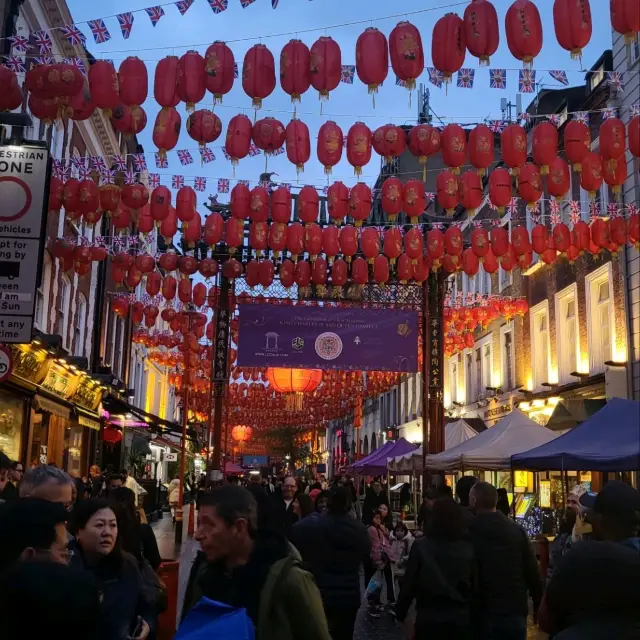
(40,403)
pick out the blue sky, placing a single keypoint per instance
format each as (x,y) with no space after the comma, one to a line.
(175,34)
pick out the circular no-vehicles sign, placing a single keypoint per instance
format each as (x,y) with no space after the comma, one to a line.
(6,362)
(16,197)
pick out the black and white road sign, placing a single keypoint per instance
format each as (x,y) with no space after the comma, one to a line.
(24,194)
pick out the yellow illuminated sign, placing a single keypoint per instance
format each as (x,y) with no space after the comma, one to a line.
(521,479)
(545,494)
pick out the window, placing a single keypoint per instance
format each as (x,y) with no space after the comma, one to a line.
(64,296)
(600,323)
(507,358)
(486,367)
(540,344)
(453,379)
(471,393)
(81,322)
(505,278)
(478,385)
(567,337)
(42,295)
(596,77)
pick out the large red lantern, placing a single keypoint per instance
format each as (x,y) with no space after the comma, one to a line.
(407,54)
(545,145)
(625,19)
(389,141)
(241,201)
(204,127)
(319,275)
(258,237)
(413,199)
(577,143)
(330,142)
(338,202)
(435,246)
(269,135)
(424,141)
(277,238)
(481,148)
(572,22)
(454,147)
(499,238)
(614,174)
(56,191)
(392,245)
(513,144)
(213,229)
(360,271)
(258,74)
(339,273)
(325,65)
(453,242)
(123,119)
(331,241)
(238,140)
(540,239)
(448,46)
(104,87)
(612,140)
(219,69)
(233,234)
(370,243)
(470,262)
(619,231)
(372,58)
(481,32)
(109,197)
(281,205)
(169,226)
(561,237)
(259,208)
(480,242)
(309,204)
(392,197)
(135,196)
(447,191)
(559,180)
(633,134)
(192,81)
(186,202)
(89,197)
(166,130)
(524,31)
(12,96)
(295,69)
(405,268)
(133,82)
(286,272)
(381,270)
(592,174)
(581,236)
(360,202)
(348,242)
(298,144)
(295,240)
(302,274)
(413,245)
(530,183)
(601,233)
(500,189)
(358,146)
(45,109)
(166,82)
(470,191)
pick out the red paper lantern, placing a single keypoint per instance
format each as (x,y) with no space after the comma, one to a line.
(191,232)
(612,141)
(481,32)
(187,265)
(389,141)
(520,241)
(186,203)
(135,196)
(266,272)
(259,208)
(169,226)
(453,242)
(82,107)
(166,130)
(348,242)
(124,121)
(258,74)
(592,173)
(470,191)
(358,146)
(166,82)
(407,54)
(509,260)
(448,47)
(302,274)
(480,242)
(577,143)
(192,84)
(219,69)
(360,272)
(154,283)
(233,234)
(185,291)
(392,193)
(238,140)
(601,233)
(168,261)
(625,19)
(454,147)
(298,143)
(561,237)
(381,270)
(413,245)
(277,238)
(470,262)
(330,142)
(581,236)
(614,174)
(524,31)
(619,231)
(325,65)
(414,199)
(208,268)
(392,245)
(513,144)
(71,196)
(308,204)
(134,82)
(241,201)
(258,236)
(338,202)
(295,240)
(499,241)
(500,189)
(540,239)
(424,141)
(490,263)
(204,127)
(572,22)
(45,109)
(286,273)
(360,202)
(213,229)
(370,243)
(281,205)
(559,180)
(447,191)
(56,191)
(269,135)
(545,145)
(481,148)
(109,197)
(634,136)
(530,183)
(405,268)
(295,69)
(88,197)
(104,86)
(339,273)
(450,264)
(372,58)
(12,96)
(331,242)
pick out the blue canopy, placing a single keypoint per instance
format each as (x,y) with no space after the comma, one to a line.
(608,441)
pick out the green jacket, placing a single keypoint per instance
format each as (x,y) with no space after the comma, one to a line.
(290,603)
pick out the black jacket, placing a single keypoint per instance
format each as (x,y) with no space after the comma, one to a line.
(280,518)
(121,595)
(441,577)
(371,503)
(507,566)
(333,548)
(262,499)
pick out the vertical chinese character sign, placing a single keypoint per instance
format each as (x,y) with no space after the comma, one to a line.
(435,361)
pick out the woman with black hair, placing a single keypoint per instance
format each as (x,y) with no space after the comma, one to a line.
(303,506)
(124,611)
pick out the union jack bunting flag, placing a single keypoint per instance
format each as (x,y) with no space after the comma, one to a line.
(616,80)
(265,184)
(534,211)
(154,180)
(429,196)
(253,150)
(77,161)
(632,209)
(496,222)
(185,157)
(130,176)
(200,184)
(554,119)
(184,6)
(42,40)
(286,185)
(278,152)
(325,190)
(555,218)
(65,173)
(435,77)
(348,71)
(78,63)
(207,155)
(400,82)
(155,13)
(15,63)
(612,210)
(177,182)
(43,60)
(498,78)
(223,185)
(526,80)
(524,116)
(560,76)
(139,161)
(634,110)
(119,163)
(218,6)
(235,70)
(609,112)
(84,172)
(73,34)
(108,177)
(162,162)
(225,153)
(244,182)
(581,116)
(554,207)
(574,211)
(497,126)
(97,163)
(465,78)
(246,3)
(19,43)
(125,20)
(512,207)
(99,29)
(594,209)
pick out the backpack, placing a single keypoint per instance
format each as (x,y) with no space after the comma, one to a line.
(210,619)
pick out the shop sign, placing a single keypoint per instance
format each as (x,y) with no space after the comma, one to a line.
(27,363)
(435,340)
(58,382)
(170,457)
(6,363)
(520,479)
(87,395)
(220,365)
(89,423)
(24,185)
(499,411)
(545,494)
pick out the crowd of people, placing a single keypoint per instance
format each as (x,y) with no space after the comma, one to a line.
(292,561)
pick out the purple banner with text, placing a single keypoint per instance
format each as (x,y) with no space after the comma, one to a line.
(328,338)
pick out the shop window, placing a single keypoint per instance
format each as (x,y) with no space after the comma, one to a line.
(600,318)
(540,344)
(64,296)
(73,450)
(42,296)
(567,337)
(81,321)
(507,359)
(11,425)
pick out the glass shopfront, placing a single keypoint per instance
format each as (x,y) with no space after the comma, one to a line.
(12,420)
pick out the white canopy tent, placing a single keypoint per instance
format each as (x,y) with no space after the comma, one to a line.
(492,449)
(455,433)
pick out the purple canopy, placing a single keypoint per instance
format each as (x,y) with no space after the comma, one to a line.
(376,463)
